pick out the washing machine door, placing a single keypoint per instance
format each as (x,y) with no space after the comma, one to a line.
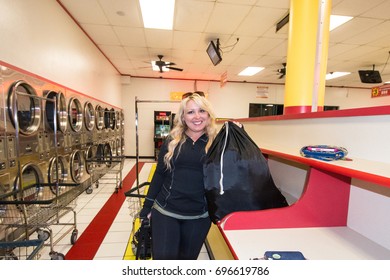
(57,174)
(104,155)
(90,154)
(122,145)
(122,119)
(24,107)
(75,113)
(60,108)
(117,120)
(109,118)
(89,116)
(76,166)
(28,187)
(107,154)
(99,117)
(118,147)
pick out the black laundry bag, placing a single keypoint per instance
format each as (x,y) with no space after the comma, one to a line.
(237,176)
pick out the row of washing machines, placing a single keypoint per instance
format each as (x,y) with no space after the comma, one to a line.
(50,134)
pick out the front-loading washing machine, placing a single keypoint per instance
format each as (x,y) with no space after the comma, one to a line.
(3,154)
(57,174)
(27,187)
(99,121)
(55,120)
(23,117)
(75,117)
(109,123)
(77,166)
(89,123)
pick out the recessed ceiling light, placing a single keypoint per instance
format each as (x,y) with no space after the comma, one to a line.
(157,14)
(250,71)
(334,75)
(336,21)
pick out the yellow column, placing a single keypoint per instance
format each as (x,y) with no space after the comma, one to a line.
(307,56)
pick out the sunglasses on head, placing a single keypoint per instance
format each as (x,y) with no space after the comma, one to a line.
(188,94)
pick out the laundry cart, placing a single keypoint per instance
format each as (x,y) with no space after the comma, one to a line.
(21,250)
(140,238)
(35,209)
(140,241)
(108,168)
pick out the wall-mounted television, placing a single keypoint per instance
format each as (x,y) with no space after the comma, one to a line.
(370,76)
(214,54)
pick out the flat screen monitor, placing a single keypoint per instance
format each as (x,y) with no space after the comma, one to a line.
(370,76)
(213,53)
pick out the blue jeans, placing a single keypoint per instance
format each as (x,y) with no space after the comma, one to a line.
(177,239)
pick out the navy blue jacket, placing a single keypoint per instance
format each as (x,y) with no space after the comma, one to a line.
(180,190)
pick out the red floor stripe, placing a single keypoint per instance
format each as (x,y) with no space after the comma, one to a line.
(89,242)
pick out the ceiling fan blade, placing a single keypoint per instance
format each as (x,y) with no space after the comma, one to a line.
(174,68)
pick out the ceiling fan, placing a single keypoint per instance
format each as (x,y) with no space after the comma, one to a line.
(282,71)
(161,64)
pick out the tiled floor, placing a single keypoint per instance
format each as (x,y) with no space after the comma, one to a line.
(87,207)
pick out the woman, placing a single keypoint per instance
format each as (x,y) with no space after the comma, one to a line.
(176,202)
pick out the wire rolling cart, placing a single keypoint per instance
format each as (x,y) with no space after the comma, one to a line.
(141,231)
(35,209)
(21,250)
(111,172)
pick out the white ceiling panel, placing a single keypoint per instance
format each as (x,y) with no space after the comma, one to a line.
(132,37)
(226,18)
(116,27)
(101,34)
(122,12)
(86,11)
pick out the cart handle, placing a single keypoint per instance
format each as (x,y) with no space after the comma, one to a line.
(130,193)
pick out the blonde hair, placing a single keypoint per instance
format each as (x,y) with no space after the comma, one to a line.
(177,134)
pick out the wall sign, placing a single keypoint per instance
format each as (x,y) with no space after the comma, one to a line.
(383,90)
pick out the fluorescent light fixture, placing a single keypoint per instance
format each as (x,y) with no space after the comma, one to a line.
(336,21)
(250,71)
(158,14)
(156,68)
(334,75)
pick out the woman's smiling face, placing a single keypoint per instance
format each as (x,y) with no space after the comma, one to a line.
(195,118)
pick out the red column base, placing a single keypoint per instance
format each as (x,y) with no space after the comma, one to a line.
(300,109)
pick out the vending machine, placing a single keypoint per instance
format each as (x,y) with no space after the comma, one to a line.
(162,126)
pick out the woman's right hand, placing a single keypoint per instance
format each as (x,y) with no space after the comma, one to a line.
(145,213)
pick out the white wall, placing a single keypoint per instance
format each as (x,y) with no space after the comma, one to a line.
(39,37)
(231,101)
(348,98)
